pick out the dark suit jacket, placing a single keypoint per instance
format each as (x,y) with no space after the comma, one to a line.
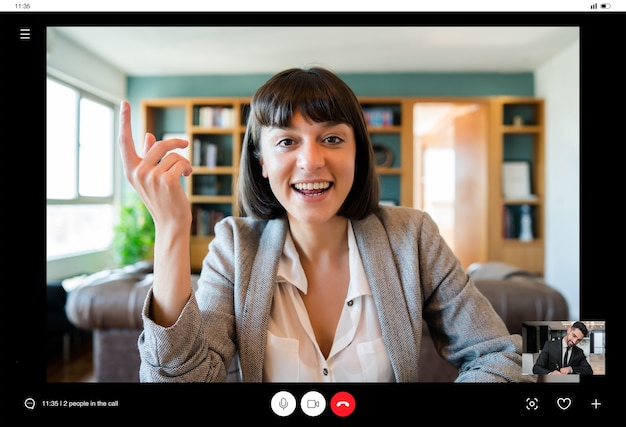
(551,357)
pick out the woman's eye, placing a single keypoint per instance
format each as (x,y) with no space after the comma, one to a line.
(333,139)
(286,142)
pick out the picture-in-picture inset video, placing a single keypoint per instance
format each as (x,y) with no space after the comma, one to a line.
(563,351)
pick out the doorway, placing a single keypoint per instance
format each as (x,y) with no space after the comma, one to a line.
(450,148)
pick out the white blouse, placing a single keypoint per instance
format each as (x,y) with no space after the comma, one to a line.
(358,352)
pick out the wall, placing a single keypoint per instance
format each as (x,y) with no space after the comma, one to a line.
(561,91)
(71,62)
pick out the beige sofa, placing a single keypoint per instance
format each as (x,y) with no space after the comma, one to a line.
(109,304)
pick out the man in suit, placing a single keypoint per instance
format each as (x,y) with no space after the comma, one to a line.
(563,357)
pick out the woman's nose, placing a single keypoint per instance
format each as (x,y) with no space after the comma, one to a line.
(311,156)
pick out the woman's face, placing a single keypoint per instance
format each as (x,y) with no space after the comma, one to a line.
(310,167)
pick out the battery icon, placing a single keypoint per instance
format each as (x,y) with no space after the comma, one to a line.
(605,5)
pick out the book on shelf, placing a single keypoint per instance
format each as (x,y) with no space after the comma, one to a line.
(211,155)
(197,152)
(204,153)
(378,116)
(518,222)
(216,116)
(204,220)
(206,185)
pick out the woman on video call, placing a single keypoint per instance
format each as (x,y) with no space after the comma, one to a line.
(314,281)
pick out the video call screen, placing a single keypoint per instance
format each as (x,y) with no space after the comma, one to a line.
(547,400)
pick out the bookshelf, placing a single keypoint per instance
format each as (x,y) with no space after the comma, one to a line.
(215,128)
(390,124)
(516,136)
(516,183)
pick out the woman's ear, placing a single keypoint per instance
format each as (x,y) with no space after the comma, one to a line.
(263,171)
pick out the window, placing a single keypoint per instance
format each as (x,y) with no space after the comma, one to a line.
(79,171)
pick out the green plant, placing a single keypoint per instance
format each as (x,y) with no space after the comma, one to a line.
(133,238)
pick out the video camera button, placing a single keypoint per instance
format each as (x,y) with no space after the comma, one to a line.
(313,403)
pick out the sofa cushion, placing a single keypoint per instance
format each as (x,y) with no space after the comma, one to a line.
(521,298)
(111,299)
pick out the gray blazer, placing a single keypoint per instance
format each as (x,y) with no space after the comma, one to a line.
(412,273)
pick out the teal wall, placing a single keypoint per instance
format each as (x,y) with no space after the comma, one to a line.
(398,84)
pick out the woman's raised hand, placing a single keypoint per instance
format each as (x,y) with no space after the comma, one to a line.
(156,176)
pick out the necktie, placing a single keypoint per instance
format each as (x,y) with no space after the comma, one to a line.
(566,356)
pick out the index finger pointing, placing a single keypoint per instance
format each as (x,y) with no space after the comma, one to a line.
(125,138)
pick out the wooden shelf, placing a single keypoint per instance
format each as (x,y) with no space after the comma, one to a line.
(517,142)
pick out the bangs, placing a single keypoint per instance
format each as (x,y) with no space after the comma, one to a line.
(319,96)
(307,94)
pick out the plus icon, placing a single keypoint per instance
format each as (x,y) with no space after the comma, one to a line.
(595,403)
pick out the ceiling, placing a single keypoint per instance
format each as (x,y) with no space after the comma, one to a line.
(146,51)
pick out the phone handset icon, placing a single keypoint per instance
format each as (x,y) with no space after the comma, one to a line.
(342,404)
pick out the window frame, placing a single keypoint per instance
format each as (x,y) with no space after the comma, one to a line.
(88,200)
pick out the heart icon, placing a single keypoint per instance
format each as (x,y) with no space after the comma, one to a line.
(563,402)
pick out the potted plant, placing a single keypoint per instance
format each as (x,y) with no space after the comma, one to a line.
(133,238)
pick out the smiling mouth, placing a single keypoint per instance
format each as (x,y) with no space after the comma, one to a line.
(312,188)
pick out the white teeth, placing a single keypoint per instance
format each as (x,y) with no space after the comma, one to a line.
(312,185)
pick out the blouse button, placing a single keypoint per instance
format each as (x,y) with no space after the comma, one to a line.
(350,303)
(325,371)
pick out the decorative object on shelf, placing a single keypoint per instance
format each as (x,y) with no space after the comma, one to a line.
(526,225)
(383,155)
(518,121)
(516,180)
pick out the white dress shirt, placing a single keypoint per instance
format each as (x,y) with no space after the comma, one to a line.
(358,353)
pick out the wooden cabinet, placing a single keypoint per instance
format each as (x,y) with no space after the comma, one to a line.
(215,128)
(516,183)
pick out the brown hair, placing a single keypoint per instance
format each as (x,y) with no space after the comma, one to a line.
(321,96)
